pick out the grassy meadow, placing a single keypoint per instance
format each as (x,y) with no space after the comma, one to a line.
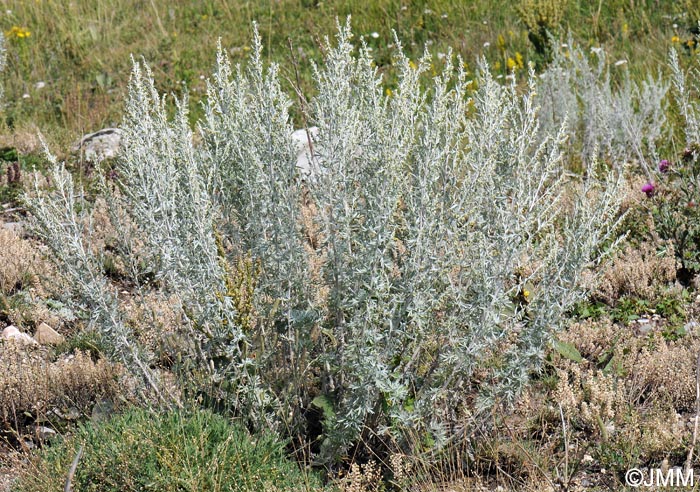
(278,353)
(79,53)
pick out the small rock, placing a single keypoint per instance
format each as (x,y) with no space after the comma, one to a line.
(643,326)
(44,433)
(101,145)
(306,165)
(691,327)
(28,444)
(12,333)
(16,227)
(610,428)
(46,335)
(71,414)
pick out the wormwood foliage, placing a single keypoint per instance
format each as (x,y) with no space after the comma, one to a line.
(443,245)
(3,62)
(615,121)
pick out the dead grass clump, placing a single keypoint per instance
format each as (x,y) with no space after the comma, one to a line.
(30,382)
(638,272)
(627,396)
(20,262)
(594,400)
(592,337)
(362,478)
(663,371)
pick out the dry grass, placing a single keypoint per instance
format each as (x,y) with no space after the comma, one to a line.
(20,262)
(30,382)
(638,271)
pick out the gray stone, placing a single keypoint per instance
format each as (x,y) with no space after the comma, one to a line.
(16,227)
(101,145)
(43,433)
(691,327)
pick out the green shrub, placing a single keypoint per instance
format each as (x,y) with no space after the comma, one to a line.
(175,451)
(413,276)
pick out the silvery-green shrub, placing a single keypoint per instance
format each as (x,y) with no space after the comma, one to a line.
(413,281)
(684,92)
(619,120)
(62,219)
(3,61)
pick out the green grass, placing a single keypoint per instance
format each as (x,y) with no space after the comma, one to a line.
(81,50)
(176,451)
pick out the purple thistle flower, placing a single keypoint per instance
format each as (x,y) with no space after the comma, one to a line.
(664,165)
(649,189)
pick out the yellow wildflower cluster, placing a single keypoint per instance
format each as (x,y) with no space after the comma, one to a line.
(515,63)
(17,32)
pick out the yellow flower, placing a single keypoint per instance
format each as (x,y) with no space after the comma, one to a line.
(625,29)
(497,66)
(501,42)
(519,60)
(18,32)
(510,63)
(388,92)
(412,64)
(526,293)
(675,39)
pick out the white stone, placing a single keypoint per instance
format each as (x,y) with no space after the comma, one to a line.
(13,333)
(306,165)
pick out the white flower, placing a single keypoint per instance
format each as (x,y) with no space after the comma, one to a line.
(25,96)
(487,44)
(443,16)
(620,62)
(375,34)
(596,50)
(40,85)
(441,56)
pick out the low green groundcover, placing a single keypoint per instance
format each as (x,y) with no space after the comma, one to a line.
(174,451)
